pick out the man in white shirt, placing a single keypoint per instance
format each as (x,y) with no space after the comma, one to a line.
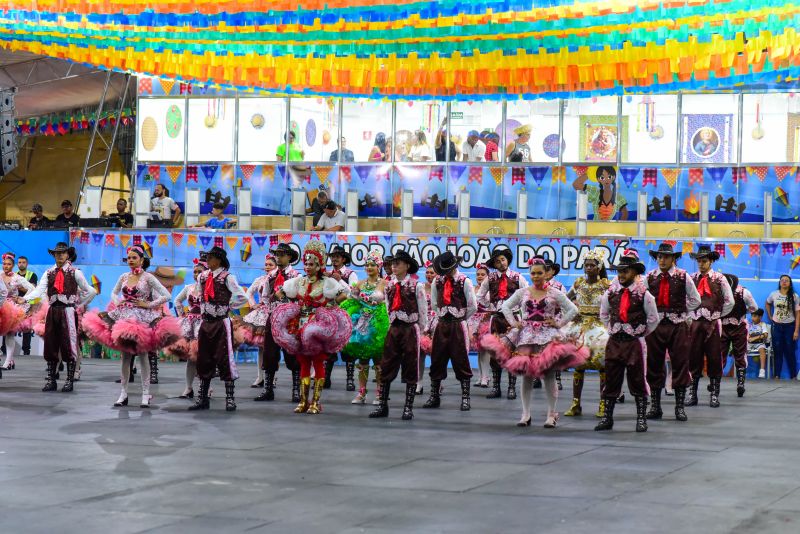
(473,149)
(332,220)
(162,207)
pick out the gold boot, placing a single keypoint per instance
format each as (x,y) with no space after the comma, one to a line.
(575,409)
(315,406)
(305,383)
(601,409)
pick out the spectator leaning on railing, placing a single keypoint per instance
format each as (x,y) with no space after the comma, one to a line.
(332,220)
(68,217)
(121,218)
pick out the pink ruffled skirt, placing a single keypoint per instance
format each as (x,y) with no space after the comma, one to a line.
(327,330)
(124,329)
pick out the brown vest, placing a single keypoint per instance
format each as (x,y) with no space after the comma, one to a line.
(739,310)
(458,298)
(636,314)
(408,297)
(70,284)
(677,290)
(494,286)
(715,300)
(222,295)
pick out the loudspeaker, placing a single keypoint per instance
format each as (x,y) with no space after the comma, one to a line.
(7,99)
(7,123)
(9,162)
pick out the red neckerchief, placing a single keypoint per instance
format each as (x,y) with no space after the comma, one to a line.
(397,300)
(502,288)
(663,291)
(447,293)
(703,288)
(58,284)
(208,291)
(624,304)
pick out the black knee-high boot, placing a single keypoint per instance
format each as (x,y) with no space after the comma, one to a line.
(350,367)
(495,392)
(328,372)
(512,386)
(295,386)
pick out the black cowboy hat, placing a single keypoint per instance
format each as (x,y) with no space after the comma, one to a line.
(283,248)
(340,250)
(63,247)
(665,248)
(733,281)
(217,252)
(629,260)
(500,251)
(705,252)
(402,255)
(446,262)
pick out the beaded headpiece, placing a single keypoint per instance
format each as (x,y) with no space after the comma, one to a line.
(315,251)
(375,258)
(595,254)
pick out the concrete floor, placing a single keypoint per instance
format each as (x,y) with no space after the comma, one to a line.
(71,462)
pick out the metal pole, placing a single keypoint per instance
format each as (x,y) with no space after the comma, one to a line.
(93,136)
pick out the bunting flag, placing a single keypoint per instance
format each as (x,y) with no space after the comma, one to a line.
(755,249)
(437,173)
(137,239)
(154,171)
(783,172)
(140,168)
(268,172)
(475,175)
(580,170)
(260,240)
(97,238)
(423,48)
(345,174)
(695,177)
(281,171)
(787,248)
(111,240)
(650,177)
(227,172)
(497,174)
(735,249)
(218,241)
(456,171)
(761,172)
(191,241)
(232,241)
(671,176)
(322,173)
(145,86)
(177,239)
(167,85)
(538,174)
(209,171)
(163,240)
(124,239)
(286,238)
(273,240)
(342,238)
(517,175)
(559,175)
(205,240)
(247,171)
(717,174)
(363,172)
(720,248)
(629,174)
(174,172)
(185,89)
(738,174)
(770,248)
(687,247)
(150,239)
(191,174)
(373,239)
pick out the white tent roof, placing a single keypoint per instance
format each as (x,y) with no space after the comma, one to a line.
(47,85)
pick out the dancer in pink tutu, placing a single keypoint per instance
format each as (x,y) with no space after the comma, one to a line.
(251,328)
(185,348)
(221,292)
(312,326)
(134,323)
(66,289)
(539,345)
(17,287)
(478,326)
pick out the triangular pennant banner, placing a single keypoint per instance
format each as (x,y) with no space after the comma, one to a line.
(124,240)
(177,239)
(174,172)
(580,170)
(232,240)
(738,174)
(717,174)
(363,172)
(140,170)
(150,239)
(671,176)
(456,171)
(770,248)
(227,172)
(191,241)
(346,174)
(475,175)
(247,171)
(167,85)
(559,175)
(629,174)
(538,173)
(761,172)
(205,240)
(783,172)
(209,171)
(695,177)
(735,249)
(323,172)
(260,240)
(755,249)
(497,174)
(268,171)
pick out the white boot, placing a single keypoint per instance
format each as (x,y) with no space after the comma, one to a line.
(11,350)
(144,364)
(125,375)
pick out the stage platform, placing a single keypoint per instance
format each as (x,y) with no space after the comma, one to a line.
(72,463)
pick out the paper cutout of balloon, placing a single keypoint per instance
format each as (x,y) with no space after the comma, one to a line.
(149,133)
(174,121)
(550,146)
(326,137)
(257,121)
(311,132)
